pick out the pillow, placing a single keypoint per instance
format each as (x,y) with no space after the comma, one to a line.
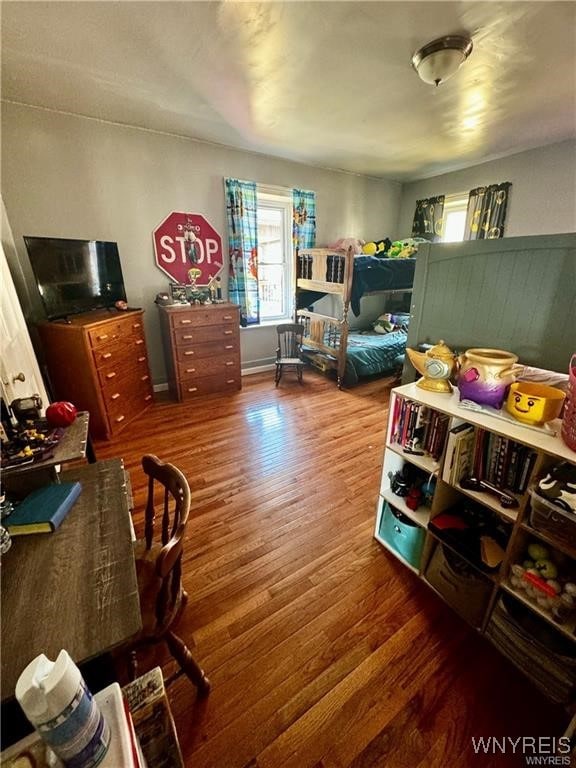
(401,320)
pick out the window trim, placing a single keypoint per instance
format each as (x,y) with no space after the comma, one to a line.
(278,198)
(453,203)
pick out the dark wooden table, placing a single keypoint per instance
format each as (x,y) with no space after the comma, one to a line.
(75,588)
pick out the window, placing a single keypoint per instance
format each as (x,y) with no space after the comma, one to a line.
(455,207)
(275,262)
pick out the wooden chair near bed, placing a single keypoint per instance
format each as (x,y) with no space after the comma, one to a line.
(289,351)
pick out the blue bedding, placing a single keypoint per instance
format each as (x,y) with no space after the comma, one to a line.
(368,353)
(372,273)
(372,353)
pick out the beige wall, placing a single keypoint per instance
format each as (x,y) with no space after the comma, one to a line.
(543,195)
(68,176)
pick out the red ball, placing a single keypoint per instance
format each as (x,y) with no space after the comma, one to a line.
(61,414)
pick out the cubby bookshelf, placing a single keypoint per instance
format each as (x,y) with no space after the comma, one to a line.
(488,586)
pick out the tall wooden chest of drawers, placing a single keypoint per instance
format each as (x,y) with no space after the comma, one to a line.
(99,362)
(202,348)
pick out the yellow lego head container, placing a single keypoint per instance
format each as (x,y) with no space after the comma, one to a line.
(533,403)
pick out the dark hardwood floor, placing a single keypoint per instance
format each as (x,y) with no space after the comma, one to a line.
(322,649)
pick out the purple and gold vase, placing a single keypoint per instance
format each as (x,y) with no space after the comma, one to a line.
(485,376)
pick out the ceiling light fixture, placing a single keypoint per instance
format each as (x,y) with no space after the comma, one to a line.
(441,58)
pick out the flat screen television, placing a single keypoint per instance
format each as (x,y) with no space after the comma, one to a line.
(75,276)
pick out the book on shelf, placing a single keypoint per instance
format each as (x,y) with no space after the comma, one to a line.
(529,462)
(43,510)
(463,456)
(501,461)
(450,449)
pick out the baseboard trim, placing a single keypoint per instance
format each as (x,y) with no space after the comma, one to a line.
(245,372)
(258,369)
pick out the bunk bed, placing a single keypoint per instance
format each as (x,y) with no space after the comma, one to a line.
(328,341)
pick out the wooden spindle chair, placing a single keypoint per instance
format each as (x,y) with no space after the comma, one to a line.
(159,569)
(288,353)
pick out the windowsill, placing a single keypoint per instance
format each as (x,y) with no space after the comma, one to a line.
(266,324)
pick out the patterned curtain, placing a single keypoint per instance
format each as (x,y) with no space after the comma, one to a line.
(487,212)
(304,219)
(428,220)
(241,209)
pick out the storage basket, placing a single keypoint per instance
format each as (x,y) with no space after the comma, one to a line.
(552,520)
(568,430)
(461,585)
(535,647)
(402,534)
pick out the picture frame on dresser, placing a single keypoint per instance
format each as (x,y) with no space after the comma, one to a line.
(179,293)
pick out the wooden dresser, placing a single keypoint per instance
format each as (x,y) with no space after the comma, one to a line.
(202,348)
(99,362)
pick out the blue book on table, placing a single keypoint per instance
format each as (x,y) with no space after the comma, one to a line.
(43,510)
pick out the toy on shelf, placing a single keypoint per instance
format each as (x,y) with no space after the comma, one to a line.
(544,578)
(485,375)
(532,403)
(436,365)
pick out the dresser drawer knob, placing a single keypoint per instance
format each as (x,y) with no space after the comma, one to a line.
(111,375)
(228,333)
(139,341)
(119,419)
(185,322)
(106,355)
(190,370)
(229,346)
(144,378)
(189,352)
(229,362)
(227,317)
(141,359)
(230,381)
(187,336)
(115,396)
(148,397)
(192,389)
(135,325)
(103,337)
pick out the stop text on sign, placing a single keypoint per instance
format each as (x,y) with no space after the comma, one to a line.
(176,248)
(187,241)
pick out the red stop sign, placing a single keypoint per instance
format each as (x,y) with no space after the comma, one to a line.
(185,241)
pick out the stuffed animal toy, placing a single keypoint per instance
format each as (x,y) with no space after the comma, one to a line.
(376,247)
(343,243)
(384,323)
(403,249)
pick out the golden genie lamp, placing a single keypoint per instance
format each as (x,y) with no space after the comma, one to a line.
(436,365)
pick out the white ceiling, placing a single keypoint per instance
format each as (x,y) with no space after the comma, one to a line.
(327,83)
